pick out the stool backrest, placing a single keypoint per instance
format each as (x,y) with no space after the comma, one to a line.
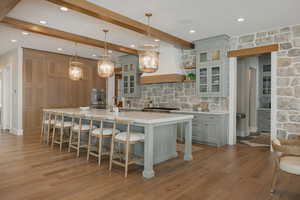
(77,116)
(100,119)
(128,122)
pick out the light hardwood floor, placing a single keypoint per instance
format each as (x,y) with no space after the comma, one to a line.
(32,171)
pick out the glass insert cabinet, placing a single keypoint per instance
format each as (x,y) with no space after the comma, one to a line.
(130,76)
(212,74)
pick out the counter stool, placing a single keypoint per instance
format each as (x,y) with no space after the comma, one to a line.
(61,125)
(100,133)
(47,122)
(126,138)
(78,129)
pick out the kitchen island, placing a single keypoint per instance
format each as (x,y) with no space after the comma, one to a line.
(159,130)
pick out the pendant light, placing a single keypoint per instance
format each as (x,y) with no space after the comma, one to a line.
(75,67)
(149,53)
(106,67)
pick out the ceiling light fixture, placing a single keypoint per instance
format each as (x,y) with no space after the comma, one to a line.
(106,67)
(149,53)
(132,46)
(241,19)
(94,55)
(156,40)
(13,40)
(192,31)
(43,22)
(64,9)
(25,33)
(59,49)
(75,67)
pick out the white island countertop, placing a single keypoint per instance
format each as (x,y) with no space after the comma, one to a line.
(137,117)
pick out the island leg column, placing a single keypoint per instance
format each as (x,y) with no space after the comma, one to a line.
(148,153)
(188,141)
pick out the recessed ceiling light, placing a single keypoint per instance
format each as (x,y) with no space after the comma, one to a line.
(64,9)
(25,33)
(241,19)
(192,31)
(59,49)
(43,22)
(109,51)
(156,40)
(94,55)
(132,45)
(13,40)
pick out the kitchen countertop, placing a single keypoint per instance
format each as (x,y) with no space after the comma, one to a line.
(200,112)
(181,111)
(138,117)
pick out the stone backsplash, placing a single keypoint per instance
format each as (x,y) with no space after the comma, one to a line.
(288,72)
(179,95)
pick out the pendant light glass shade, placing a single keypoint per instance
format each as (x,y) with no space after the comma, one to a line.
(75,68)
(149,53)
(106,67)
(75,71)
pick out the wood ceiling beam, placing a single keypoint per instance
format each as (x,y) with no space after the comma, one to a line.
(6,6)
(253,51)
(104,14)
(43,30)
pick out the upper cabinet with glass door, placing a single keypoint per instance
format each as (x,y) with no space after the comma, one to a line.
(130,76)
(212,66)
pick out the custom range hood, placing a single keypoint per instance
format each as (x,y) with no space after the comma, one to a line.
(170,67)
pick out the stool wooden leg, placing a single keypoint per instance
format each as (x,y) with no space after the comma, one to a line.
(48,133)
(126,158)
(111,152)
(70,140)
(100,150)
(78,143)
(275,177)
(89,147)
(61,138)
(53,136)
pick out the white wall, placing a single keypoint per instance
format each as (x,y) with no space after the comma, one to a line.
(14,59)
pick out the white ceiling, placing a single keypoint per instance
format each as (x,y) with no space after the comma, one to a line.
(209,17)
(177,17)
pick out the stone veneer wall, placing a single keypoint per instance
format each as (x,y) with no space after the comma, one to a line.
(288,72)
(179,95)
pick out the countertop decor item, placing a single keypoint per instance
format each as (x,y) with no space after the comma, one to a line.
(105,66)
(75,67)
(149,52)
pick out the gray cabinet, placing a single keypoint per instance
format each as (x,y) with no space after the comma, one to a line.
(212,64)
(130,76)
(211,129)
(263,120)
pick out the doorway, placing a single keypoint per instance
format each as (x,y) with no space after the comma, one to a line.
(233,86)
(253,123)
(6,98)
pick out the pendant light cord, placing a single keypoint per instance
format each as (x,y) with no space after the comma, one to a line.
(105,42)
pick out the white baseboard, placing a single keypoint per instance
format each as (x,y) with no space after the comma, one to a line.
(18,132)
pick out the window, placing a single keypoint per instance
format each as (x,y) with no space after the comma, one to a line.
(266,89)
(203,57)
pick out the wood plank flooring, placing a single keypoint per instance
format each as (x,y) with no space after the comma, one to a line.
(33,171)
